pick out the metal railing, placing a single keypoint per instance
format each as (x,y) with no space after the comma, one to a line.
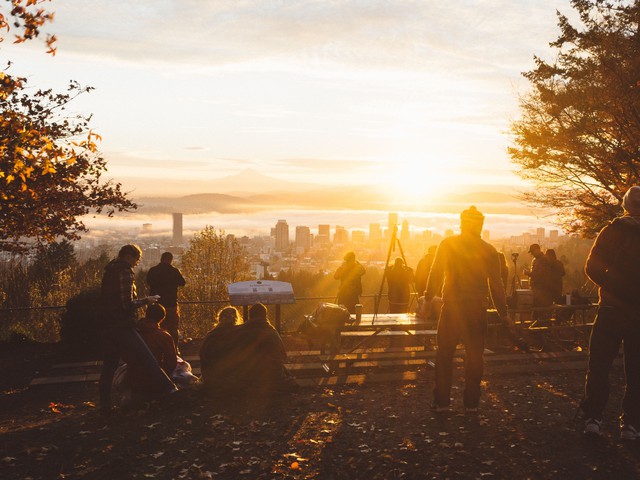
(42,324)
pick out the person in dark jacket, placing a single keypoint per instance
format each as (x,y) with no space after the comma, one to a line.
(466,269)
(423,268)
(555,274)
(539,281)
(614,266)
(399,281)
(350,275)
(118,306)
(163,280)
(264,354)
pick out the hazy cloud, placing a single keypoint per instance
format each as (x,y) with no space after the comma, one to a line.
(362,33)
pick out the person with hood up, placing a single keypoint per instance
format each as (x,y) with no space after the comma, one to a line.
(613,265)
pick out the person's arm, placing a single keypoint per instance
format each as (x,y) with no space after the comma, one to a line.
(340,271)
(127,295)
(180,279)
(601,256)
(496,288)
(151,279)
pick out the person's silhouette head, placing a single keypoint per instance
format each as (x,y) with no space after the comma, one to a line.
(258,313)
(155,313)
(228,316)
(471,221)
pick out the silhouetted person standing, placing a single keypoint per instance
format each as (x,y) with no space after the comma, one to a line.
(466,269)
(164,279)
(539,281)
(399,280)
(555,274)
(423,268)
(119,302)
(350,275)
(613,265)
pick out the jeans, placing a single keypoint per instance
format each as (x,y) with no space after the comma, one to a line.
(466,321)
(613,327)
(119,340)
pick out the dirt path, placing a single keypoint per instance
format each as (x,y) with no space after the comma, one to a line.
(525,429)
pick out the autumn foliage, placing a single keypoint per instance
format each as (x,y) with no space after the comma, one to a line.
(578,137)
(50,166)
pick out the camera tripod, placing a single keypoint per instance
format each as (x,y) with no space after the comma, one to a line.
(394,240)
(515,281)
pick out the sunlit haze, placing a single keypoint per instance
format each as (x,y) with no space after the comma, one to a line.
(411,100)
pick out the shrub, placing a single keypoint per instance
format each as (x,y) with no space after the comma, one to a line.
(79,324)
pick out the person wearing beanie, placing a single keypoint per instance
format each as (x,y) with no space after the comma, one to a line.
(631,201)
(613,265)
(465,272)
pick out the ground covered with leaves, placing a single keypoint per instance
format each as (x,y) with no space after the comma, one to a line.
(525,429)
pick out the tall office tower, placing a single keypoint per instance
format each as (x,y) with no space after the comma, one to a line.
(341,236)
(324,230)
(324,235)
(405,234)
(393,220)
(375,234)
(303,238)
(486,235)
(358,236)
(282,236)
(553,236)
(177,229)
(540,234)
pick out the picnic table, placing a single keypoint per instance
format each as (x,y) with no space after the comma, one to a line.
(371,326)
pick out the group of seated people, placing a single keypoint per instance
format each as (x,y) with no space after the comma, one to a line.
(244,357)
(235,358)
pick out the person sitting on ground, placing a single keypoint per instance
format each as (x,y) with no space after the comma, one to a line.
(130,381)
(158,340)
(165,352)
(215,355)
(264,356)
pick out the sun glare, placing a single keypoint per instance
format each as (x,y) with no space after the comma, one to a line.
(415,181)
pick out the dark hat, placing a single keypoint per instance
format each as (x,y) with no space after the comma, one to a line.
(631,201)
(534,247)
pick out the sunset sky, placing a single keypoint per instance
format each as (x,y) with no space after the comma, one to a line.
(415,95)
